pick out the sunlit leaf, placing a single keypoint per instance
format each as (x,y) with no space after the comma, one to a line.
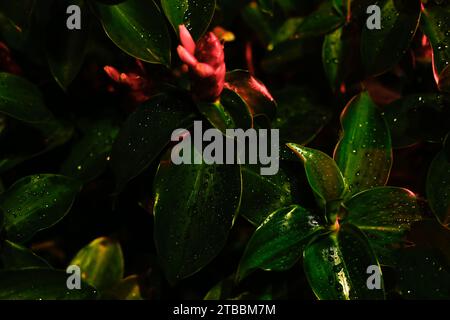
(336,266)
(101,263)
(364,152)
(36,202)
(279,242)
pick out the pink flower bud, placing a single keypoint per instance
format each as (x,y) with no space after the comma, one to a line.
(206,62)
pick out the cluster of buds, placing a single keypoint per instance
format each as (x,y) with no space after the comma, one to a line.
(206,62)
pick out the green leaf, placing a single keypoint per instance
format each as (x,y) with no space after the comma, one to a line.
(259,23)
(418,117)
(336,266)
(138,28)
(364,152)
(322,21)
(230,112)
(253,92)
(436,26)
(40,284)
(146,133)
(323,174)
(66,49)
(101,263)
(90,155)
(35,203)
(221,291)
(22,100)
(279,242)
(262,195)
(382,49)
(125,289)
(195,205)
(299,116)
(266,5)
(15,256)
(438,187)
(196,15)
(338,56)
(384,214)
(53,134)
(422,274)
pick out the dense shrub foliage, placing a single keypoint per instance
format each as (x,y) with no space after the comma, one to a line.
(92,91)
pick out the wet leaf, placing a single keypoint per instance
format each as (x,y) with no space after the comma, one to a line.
(364,152)
(323,174)
(422,274)
(146,133)
(196,15)
(436,26)
(66,49)
(22,100)
(418,117)
(279,242)
(299,116)
(263,27)
(40,284)
(129,27)
(35,203)
(195,205)
(336,266)
(438,187)
(230,112)
(382,49)
(262,195)
(90,155)
(337,56)
(15,256)
(384,214)
(322,21)
(101,263)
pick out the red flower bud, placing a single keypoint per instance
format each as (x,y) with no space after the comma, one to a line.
(206,62)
